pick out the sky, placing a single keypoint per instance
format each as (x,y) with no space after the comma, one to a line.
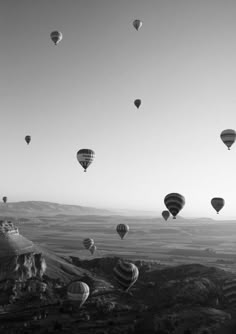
(80,94)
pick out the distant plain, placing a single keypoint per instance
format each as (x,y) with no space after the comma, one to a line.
(62,228)
(173,242)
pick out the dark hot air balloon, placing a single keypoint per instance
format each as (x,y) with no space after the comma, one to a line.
(228,137)
(122,230)
(56,37)
(174,203)
(85,157)
(165,214)
(4,199)
(126,274)
(137,24)
(28,139)
(217,203)
(137,103)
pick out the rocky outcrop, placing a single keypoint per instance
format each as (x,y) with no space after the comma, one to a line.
(19,259)
(22,267)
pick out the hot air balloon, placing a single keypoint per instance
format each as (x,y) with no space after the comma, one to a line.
(137,24)
(137,103)
(174,203)
(88,243)
(4,199)
(165,214)
(228,137)
(93,249)
(56,37)
(78,292)
(28,139)
(85,157)
(126,274)
(229,291)
(122,230)
(217,203)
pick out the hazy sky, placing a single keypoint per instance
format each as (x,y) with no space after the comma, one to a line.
(181,63)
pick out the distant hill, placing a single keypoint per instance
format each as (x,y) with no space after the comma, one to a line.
(133,213)
(39,208)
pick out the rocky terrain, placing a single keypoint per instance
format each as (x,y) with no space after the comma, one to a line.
(189,298)
(181,299)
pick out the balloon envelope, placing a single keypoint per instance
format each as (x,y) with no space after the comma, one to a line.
(78,291)
(228,137)
(217,203)
(88,243)
(85,157)
(126,274)
(137,24)
(229,291)
(137,103)
(174,203)
(4,199)
(56,36)
(28,139)
(122,230)
(165,214)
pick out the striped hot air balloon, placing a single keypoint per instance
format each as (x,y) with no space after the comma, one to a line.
(228,137)
(229,291)
(88,243)
(126,274)
(56,37)
(165,214)
(137,103)
(137,24)
(217,203)
(78,292)
(85,157)
(174,203)
(122,230)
